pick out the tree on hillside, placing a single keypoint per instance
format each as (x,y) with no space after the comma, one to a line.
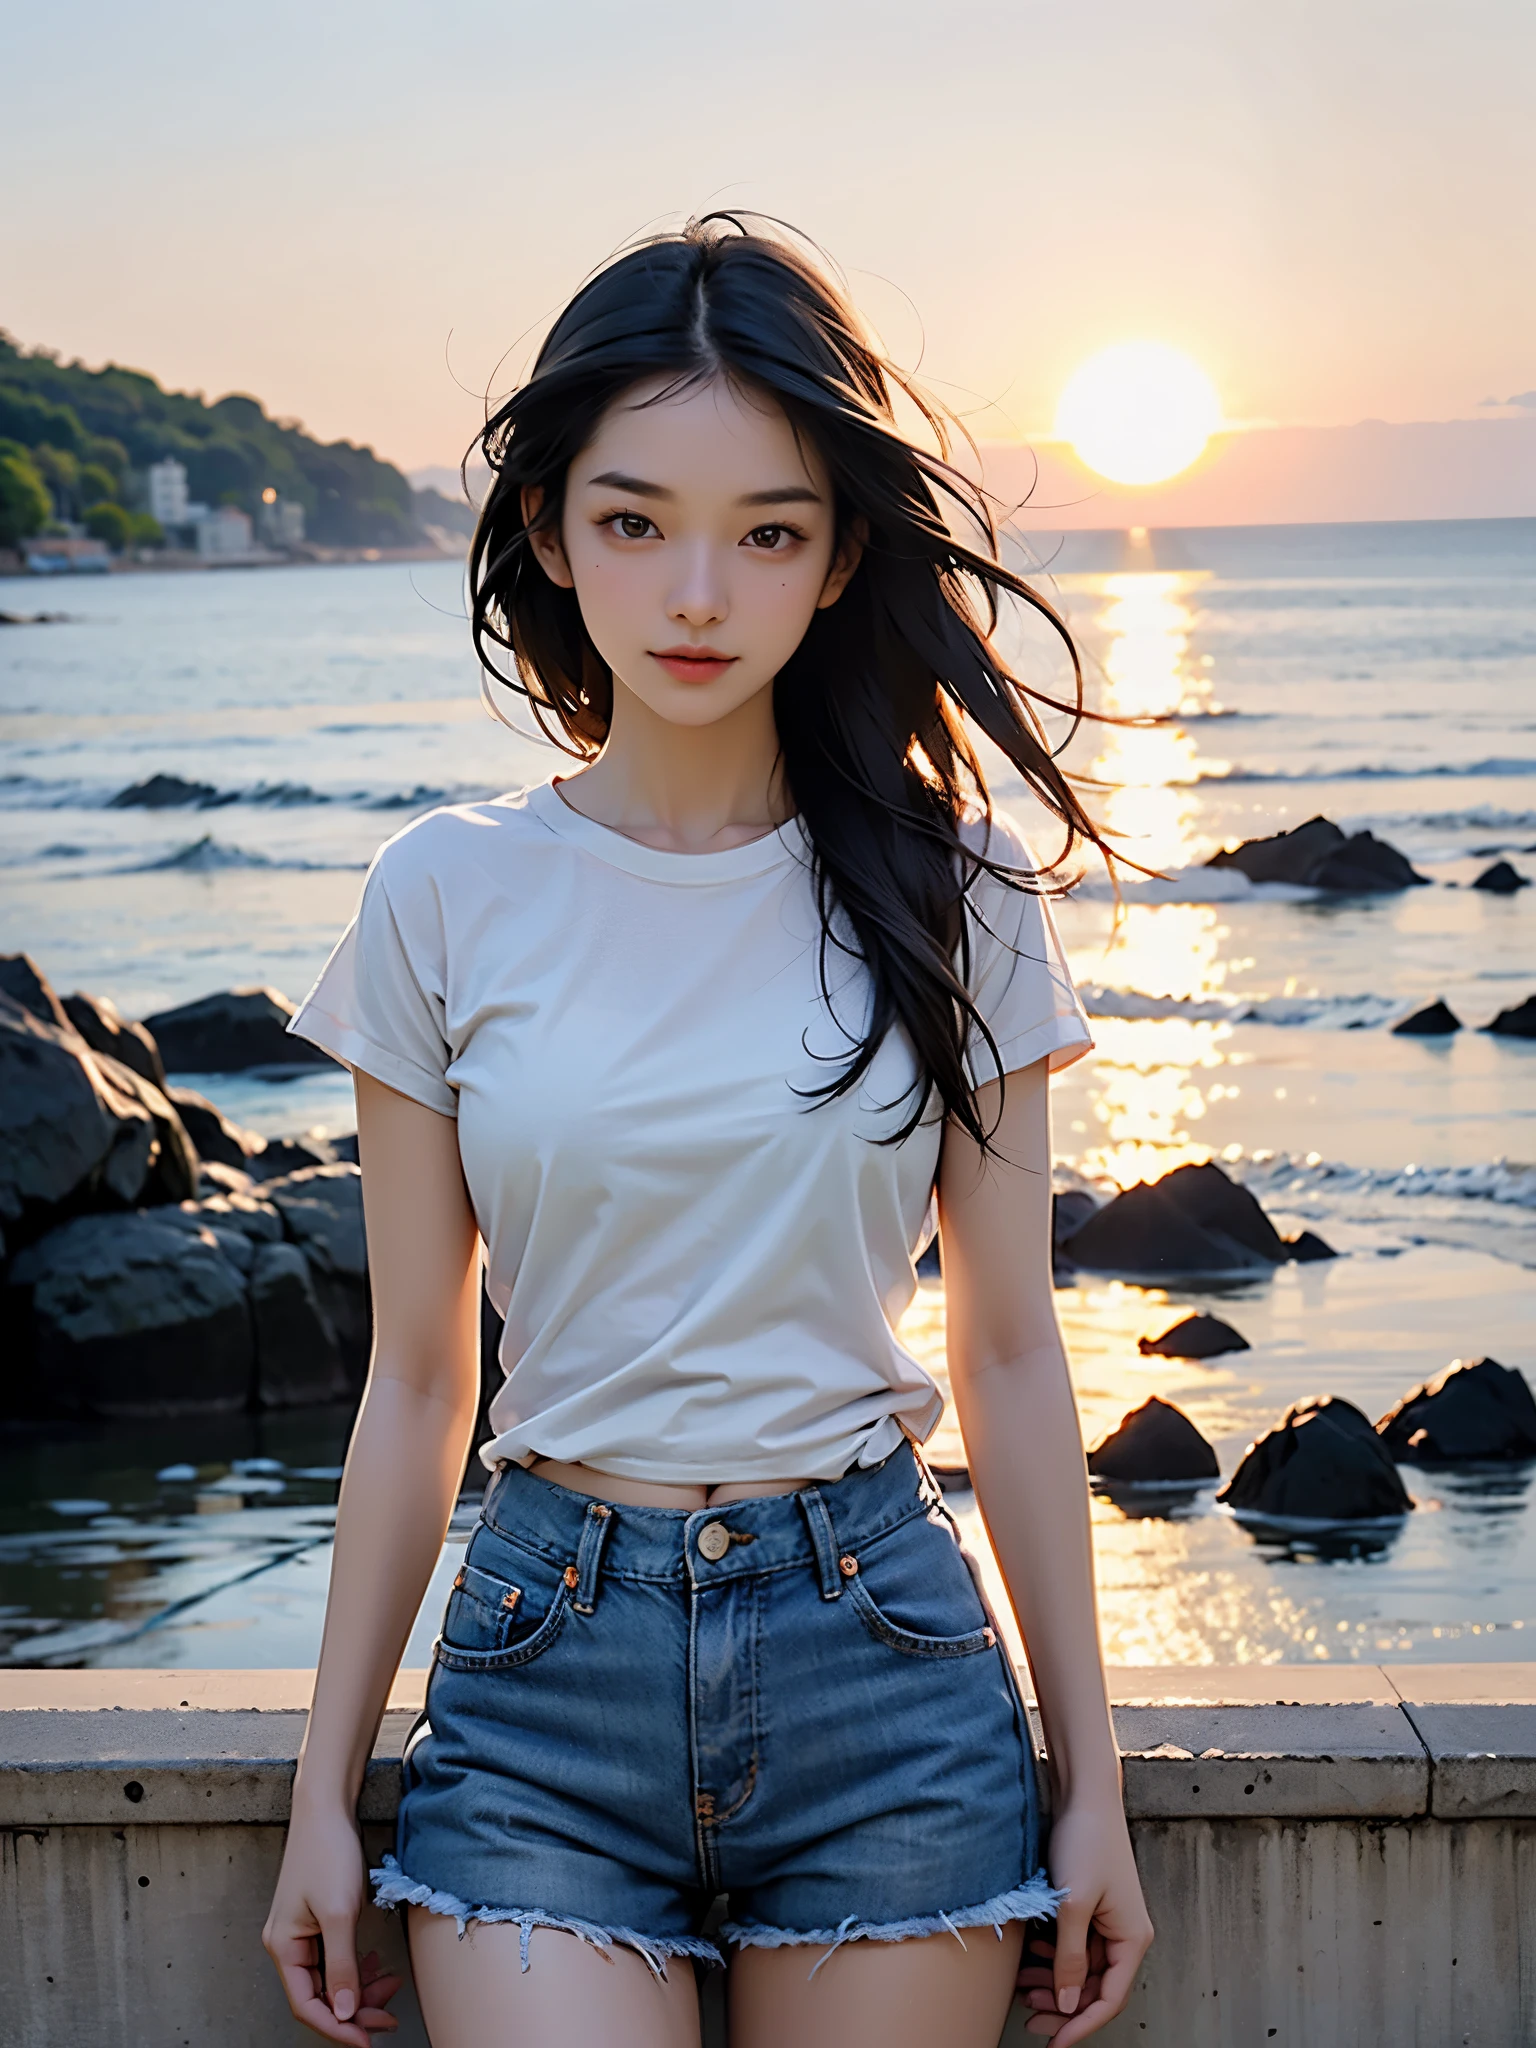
(116,419)
(97,483)
(24,505)
(110,523)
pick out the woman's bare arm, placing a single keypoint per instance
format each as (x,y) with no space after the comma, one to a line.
(402,1474)
(1014,1397)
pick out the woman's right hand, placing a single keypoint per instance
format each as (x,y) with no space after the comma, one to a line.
(311,1933)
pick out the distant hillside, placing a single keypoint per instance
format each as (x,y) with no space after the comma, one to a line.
(110,423)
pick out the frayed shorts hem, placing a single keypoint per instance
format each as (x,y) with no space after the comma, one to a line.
(1035,1899)
(391,1887)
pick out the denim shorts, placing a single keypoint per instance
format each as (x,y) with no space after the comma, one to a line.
(800,1702)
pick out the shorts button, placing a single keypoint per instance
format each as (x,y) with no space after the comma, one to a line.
(714,1541)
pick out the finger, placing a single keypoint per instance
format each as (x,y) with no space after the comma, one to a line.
(1113,1992)
(1043,1999)
(318,2017)
(307,2004)
(380,1990)
(343,1980)
(1070,1969)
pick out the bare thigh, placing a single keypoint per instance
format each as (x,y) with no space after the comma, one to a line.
(877,1994)
(475,1993)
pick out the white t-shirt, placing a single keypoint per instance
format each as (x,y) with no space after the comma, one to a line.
(700,1270)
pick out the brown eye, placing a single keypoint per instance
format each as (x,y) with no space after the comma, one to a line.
(633,525)
(767,536)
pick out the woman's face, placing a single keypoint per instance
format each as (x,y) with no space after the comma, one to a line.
(700,537)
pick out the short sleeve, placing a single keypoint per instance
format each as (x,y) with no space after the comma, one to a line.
(378,1005)
(1018,975)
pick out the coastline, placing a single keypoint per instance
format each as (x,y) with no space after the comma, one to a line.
(168,563)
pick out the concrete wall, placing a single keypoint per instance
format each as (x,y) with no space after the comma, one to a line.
(1344,1858)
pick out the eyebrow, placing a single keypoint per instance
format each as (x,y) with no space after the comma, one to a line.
(784,494)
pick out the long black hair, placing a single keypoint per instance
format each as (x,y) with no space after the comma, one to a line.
(869,708)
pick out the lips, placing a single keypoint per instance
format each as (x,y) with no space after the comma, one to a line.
(693,664)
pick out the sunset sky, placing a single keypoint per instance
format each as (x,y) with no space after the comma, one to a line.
(343,209)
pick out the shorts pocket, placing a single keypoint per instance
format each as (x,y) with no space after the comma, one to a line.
(495,1621)
(913,1591)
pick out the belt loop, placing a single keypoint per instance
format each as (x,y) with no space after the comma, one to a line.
(823,1541)
(596,1528)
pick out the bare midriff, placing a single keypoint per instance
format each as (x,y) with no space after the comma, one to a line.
(643,1493)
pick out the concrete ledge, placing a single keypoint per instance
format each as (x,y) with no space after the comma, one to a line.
(1239,1762)
(1342,1856)
(159,1768)
(210,1748)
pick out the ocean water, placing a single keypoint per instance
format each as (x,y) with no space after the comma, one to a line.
(1384,676)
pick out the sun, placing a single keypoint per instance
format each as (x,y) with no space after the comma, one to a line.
(1139,412)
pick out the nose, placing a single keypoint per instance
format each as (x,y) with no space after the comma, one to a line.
(699,597)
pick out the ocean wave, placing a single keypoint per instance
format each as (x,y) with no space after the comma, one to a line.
(1364,771)
(1509,1183)
(162,792)
(1197,884)
(210,856)
(1317,1013)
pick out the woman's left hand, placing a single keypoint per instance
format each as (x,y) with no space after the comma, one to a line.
(1102,1929)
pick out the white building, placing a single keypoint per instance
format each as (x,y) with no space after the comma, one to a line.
(280,521)
(168,492)
(223,534)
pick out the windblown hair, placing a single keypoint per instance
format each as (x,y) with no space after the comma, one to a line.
(870,709)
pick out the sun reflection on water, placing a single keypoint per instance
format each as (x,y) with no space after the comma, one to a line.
(1144,630)
(1153,1078)
(1178,1583)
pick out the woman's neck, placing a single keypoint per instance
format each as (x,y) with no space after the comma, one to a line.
(684,788)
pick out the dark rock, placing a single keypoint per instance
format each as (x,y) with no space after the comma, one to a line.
(216,1138)
(69,1136)
(214,1179)
(931,1265)
(298,1360)
(344,1149)
(239,1224)
(1519,1022)
(25,982)
(1365,866)
(174,1170)
(322,1212)
(104,1030)
(230,1032)
(1470,1412)
(1141,1232)
(282,1156)
(1435,1020)
(1501,879)
(492,1379)
(1155,1443)
(1195,1337)
(1324,1463)
(1070,1210)
(1195,1221)
(1220,1205)
(129,1316)
(1286,856)
(1307,1248)
(162,793)
(1319,855)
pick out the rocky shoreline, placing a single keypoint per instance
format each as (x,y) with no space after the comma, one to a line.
(159,1260)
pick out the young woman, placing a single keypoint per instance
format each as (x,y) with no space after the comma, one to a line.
(690,1040)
